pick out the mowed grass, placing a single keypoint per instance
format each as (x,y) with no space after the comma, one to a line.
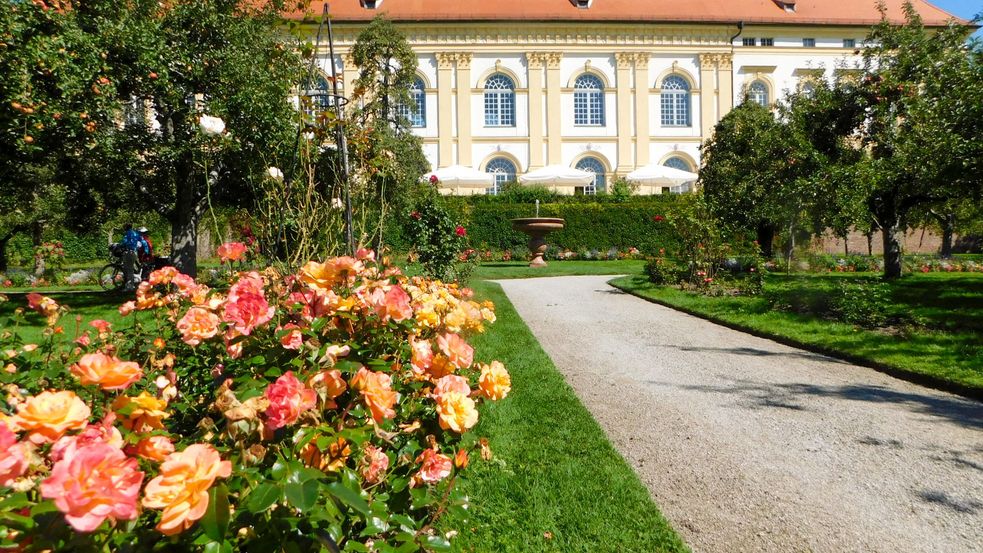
(90,305)
(496,270)
(945,350)
(555,483)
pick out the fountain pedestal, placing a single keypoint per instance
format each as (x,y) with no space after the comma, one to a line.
(537,228)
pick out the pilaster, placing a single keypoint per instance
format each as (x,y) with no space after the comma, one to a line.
(445,68)
(554,117)
(725,74)
(641,109)
(624,64)
(464,109)
(349,74)
(534,64)
(709,93)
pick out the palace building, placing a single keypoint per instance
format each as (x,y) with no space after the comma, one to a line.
(606,86)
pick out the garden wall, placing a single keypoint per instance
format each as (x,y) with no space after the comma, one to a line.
(923,241)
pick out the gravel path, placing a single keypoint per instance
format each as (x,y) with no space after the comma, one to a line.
(749,445)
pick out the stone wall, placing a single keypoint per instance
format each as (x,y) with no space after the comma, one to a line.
(915,241)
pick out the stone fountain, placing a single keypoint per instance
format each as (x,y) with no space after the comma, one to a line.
(537,228)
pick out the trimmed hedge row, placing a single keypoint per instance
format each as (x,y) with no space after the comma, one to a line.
(589,225)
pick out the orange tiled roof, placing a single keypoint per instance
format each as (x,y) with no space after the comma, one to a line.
(807,12)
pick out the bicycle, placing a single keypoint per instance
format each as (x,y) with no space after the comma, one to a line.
(111,275)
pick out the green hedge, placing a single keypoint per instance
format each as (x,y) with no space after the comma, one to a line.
(590,225)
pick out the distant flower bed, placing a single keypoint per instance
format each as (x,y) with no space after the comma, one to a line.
(330,408)
(825,263)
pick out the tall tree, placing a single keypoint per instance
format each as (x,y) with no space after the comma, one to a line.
(387,157)
(923,97)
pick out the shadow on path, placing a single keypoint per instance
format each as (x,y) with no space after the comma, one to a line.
(760,395)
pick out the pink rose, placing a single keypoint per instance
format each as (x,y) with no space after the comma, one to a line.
(95,483)
(434,466)
(288,398)
(293,339)
(374,464)
(458,352)
(13,456)
(452,383)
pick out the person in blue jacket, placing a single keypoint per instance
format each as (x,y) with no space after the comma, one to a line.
(133,245)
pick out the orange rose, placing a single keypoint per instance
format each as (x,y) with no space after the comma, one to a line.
(48,415)
(142,413)
(456,412)
(328,385)
(231,251)
(332,460)
(106,371)
(154,448)
(377,392)
(181,490)
(458,352)
(495,382)
(197,325)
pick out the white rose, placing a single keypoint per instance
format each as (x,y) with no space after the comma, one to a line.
(275,173)
(336,203)
(211,126)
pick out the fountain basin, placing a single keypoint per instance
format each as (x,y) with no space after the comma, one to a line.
(537,228)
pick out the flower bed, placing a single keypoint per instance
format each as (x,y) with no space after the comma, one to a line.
(328,408)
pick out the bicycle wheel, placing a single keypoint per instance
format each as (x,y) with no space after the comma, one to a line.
(111,277)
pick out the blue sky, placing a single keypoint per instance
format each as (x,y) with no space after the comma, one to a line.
(963,8)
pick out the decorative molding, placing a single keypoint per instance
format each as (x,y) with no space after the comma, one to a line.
(642,60)
(552,59)
(463,60)
(347,60)
(535,60)
(758,69)
(624,59)
(718,60)
(530,34)
(445,60)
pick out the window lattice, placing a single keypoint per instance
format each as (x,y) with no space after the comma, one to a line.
(504,171)
(677,162)
(758,92)
(415,113)
(675,102)
(593,165)
(588,101)
(499,101)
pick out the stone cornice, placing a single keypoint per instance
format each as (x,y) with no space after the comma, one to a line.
(531,34)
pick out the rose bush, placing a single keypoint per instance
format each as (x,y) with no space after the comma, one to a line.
(328,409)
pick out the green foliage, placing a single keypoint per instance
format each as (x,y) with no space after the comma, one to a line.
(622,189)
(323,434)
(664,271)
(862,303)
(438,240)
(591,223)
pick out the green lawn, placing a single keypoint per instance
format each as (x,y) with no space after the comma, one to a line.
(556,483)
(89,305)
(946,351)
(495,270)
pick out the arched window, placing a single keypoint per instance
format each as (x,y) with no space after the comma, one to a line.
(416,112)
(758,93)
(593,165)
(675,102)
(677,162)
(504,171)
(588,101)
(499,101)
(317,98)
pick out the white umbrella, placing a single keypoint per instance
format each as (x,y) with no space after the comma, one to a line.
(660,175)
(458,176)
(558,175)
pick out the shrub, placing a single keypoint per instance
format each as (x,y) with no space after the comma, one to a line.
(330,409)
(862,303)
(439,241)
(664,271)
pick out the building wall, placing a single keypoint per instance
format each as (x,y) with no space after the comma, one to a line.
(632,61)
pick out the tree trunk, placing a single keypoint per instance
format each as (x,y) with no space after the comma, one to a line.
(948,227)
(766,238)
(184,224)
(870,241)
(846,244)
(36,238)
(3,252)
(891,232)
